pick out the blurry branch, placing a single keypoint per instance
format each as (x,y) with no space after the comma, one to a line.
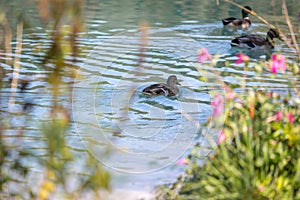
(287,19)
(191,119)
(18,51)
(44,9)
(65,17)
(12,167)
(144,28)
(77,26)
(143,43)
(7,39)
(294,41)
(64,40)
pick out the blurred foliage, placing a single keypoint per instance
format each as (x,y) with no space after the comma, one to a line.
(260,159)
(64,19)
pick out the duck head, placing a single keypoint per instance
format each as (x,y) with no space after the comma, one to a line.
(172,81)
(246,13)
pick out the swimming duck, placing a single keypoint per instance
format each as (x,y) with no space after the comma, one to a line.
(238,23)
(255,42)
(169,89)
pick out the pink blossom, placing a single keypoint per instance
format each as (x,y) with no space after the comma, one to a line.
(281,62)
(182,161)
(218,105)
(230,95)
(241,58)
(261,188)
(203,55)
(278,62)
(279,115)
(290,118)
(270,94)
(299,17)
(274,69)
(221,137)
(273,142)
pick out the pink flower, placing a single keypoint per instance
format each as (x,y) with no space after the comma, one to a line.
(279,115)
(273,69)
(203,55)
(278,62)
(221,137)
(299,17)
(290,117)
(261,188)
(281,62)
(230,95)
(270,94)
(182,161)
(218,105)
(273,142)
(241,58)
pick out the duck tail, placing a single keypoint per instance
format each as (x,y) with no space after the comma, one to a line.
(235,42)
(228,20)
(225,22)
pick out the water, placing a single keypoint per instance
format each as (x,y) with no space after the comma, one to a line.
(145,136)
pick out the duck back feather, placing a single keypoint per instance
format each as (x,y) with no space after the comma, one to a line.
(169,89)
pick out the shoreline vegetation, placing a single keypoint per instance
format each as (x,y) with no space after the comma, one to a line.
(256,154)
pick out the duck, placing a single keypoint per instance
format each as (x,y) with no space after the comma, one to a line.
(170,89)
(238,23)
(256,42)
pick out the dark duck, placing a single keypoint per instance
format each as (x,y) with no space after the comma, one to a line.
(256,42)
(238,23)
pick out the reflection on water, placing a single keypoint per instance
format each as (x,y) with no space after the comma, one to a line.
(148,134)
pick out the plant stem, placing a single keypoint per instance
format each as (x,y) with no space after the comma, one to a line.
(287,19)
(16,65)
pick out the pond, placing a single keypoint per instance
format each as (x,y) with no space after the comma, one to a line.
(146,136)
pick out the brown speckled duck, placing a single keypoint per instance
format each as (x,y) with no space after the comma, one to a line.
(238,23)
(169,89)
(256,42)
